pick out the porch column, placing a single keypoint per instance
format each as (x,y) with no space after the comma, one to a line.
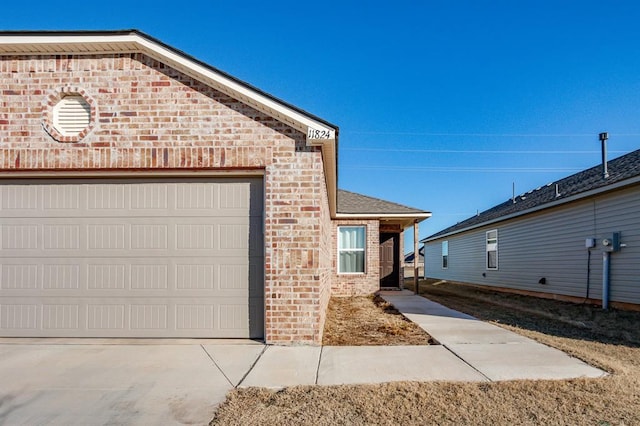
(416,255)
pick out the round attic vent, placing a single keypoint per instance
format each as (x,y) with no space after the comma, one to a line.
(71,115)
(68,114)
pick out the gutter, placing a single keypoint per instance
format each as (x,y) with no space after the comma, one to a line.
(421,216)
(406,219)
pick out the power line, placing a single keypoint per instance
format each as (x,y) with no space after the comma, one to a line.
(464,169)
(465,151)
(507,135)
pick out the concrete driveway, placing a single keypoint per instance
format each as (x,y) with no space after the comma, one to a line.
(115,381)
(104,382)
(111,381)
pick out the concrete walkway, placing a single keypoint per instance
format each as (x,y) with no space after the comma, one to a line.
(494,352)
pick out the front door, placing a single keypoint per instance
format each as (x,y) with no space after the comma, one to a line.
(389,260)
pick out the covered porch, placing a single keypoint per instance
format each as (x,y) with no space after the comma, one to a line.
(383,224)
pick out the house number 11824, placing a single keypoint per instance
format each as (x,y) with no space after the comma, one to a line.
(318,134)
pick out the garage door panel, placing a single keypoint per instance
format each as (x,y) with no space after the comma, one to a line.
(100,277)
(20,276)
(154,258)
(126,317)
(79,237)
(153,197)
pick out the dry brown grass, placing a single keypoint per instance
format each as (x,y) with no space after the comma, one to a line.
(367,321)
(609,340)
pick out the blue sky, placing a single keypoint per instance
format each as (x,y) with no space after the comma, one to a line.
(441,105)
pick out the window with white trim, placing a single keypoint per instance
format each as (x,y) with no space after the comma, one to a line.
(492,249)
(445,254)
(351,249)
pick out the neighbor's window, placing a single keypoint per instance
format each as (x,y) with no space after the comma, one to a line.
(445,254)
(492,249)
(351,249)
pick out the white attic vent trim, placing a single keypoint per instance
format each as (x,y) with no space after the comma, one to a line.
(71,115)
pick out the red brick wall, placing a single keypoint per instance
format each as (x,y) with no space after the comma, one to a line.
(149,116)
(358,284)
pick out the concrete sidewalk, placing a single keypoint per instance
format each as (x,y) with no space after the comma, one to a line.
(281,366)
(469,350)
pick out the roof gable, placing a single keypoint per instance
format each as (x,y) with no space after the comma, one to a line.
(318,131)
(621,169)
(133,41)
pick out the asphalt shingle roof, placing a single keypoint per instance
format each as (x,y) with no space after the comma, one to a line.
(353,203)
(409,256)
(621,168)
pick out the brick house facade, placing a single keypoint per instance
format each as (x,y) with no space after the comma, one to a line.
(154,112)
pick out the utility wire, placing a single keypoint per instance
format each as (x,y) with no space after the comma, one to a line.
(463,169)
(506,135)
(464,151)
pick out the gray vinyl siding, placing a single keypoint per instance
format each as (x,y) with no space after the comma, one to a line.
(551,244)
(466,258)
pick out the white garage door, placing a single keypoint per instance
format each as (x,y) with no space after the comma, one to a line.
(131,258)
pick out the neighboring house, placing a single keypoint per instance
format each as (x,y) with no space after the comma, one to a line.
(144,193)
(552,241)
(409,265)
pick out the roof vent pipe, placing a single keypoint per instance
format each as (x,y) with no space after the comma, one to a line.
(603,139)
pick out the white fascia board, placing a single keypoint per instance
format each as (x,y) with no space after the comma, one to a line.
(300,121)
(567,200)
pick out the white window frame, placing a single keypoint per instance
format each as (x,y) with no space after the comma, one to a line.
(491,246)
(445,254)
(363,250)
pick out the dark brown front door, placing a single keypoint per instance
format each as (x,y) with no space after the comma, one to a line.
(389,260)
